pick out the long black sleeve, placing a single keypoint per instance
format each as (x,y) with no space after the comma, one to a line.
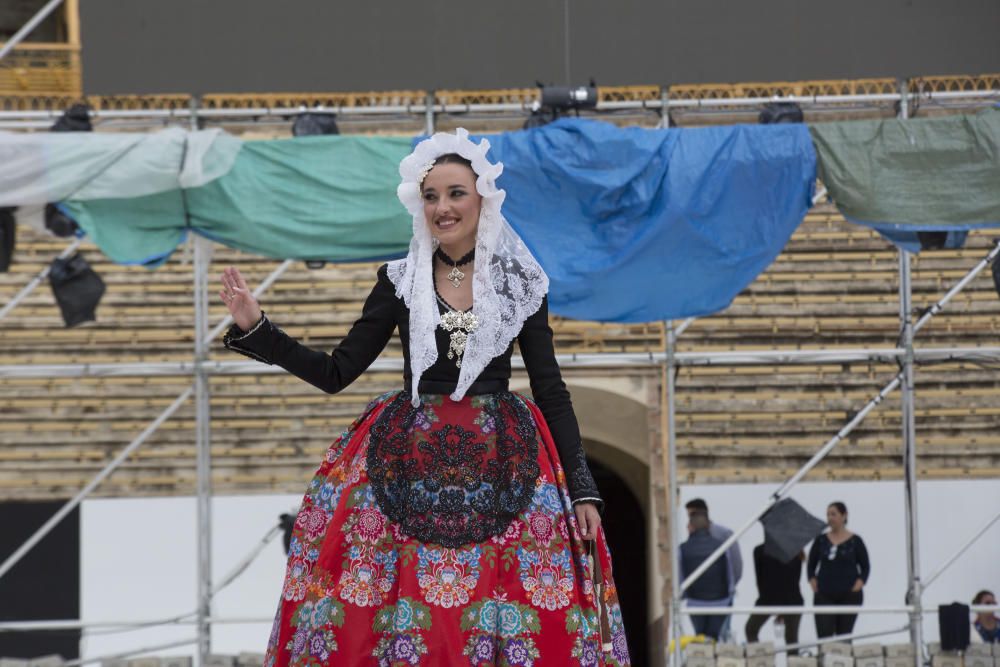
(329,372)
(864,565)
(760,570)
(552,398)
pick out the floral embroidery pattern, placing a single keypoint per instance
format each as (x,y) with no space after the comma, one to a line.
(448,577)
(400,625)
(523,596)
(500,629)
(313,640)
(545,562)
(586,646)
(369,562)
(547,578)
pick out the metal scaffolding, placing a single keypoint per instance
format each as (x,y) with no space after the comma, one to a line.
(906,357)
(669,361)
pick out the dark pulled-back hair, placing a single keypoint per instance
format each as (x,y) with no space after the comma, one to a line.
(453,158)
(980,595)
(450,158)
(841,507)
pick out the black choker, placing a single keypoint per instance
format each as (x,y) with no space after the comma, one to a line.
(466,258)
(455,275)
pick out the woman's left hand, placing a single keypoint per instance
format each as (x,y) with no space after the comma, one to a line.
(858,585)
(588,519)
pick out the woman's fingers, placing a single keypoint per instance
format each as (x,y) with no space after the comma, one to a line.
(594,521)
(242,284)
(228,281)
(588,519)
(233,284)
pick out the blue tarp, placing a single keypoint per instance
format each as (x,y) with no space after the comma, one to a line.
(636,225)
(631,224)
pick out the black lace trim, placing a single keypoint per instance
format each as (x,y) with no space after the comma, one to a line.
(234,337)
(447,484)
(579,478)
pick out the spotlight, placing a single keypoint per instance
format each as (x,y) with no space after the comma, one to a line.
(314,123)
(8,233)
(74,119)
(77,289)
(780,112)
(564,98)
(942,240)
(932,240)
(315,264)
(554,101)
(58,222)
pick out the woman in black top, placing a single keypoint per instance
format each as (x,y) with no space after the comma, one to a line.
(838,570)
(447,523)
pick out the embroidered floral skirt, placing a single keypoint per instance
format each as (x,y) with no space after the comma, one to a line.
(444,535)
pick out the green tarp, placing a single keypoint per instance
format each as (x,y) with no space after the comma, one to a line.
(915,174)
(331,198)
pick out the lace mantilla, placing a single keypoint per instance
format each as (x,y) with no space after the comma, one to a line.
(507,286)
(453,473)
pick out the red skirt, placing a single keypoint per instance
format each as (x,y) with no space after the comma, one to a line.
(444,535)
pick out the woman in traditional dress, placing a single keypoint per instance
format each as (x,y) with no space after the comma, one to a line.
(454,522)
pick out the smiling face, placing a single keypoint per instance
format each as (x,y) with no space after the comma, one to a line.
(451,207)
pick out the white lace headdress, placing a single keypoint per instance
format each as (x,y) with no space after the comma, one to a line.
(507,285)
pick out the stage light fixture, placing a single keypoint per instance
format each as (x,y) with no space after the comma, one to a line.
(8,234)
(938,240)
(315,123)
(566,98)
(58,222)
(780,112)
(77,289)
(74,119)
(555,101)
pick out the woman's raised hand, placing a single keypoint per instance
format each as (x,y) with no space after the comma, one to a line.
(241,302)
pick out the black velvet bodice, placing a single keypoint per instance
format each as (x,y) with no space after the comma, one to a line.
(383,313)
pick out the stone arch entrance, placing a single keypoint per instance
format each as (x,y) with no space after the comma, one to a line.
(614,425)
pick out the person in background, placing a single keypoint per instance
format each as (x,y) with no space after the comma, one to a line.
(714,588)
(721,533)
(986,625)
(838,571)
(777,584)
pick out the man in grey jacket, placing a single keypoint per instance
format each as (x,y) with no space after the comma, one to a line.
(720,533)
(714,588)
